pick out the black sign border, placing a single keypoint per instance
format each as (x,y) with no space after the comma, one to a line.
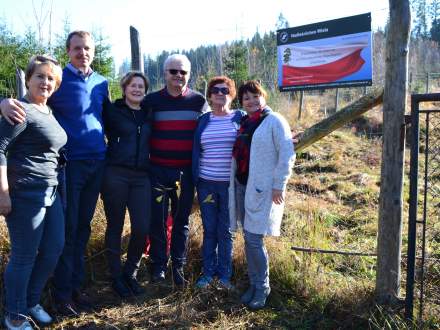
(337,27)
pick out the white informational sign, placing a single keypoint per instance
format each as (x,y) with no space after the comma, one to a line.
(329,54)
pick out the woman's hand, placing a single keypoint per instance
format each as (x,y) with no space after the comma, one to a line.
(277,196)
(5,203)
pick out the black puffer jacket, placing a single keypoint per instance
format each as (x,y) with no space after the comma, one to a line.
(128,137)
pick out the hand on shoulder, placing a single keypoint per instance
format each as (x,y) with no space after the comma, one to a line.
(13,111)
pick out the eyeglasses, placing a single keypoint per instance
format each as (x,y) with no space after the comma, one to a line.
(174,72)
(223,90)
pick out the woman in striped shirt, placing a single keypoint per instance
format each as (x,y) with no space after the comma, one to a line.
(212,153)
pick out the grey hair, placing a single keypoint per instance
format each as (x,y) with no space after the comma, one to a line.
(177,57)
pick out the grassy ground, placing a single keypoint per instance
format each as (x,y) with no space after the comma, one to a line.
(331,204)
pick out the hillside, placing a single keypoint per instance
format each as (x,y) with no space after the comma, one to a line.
(331,204)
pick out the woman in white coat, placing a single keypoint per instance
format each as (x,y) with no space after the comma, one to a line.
(263,157)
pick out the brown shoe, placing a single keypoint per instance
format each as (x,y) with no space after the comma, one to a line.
(83,301)
(66,308)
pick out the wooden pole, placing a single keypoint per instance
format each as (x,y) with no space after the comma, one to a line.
(337,99)
(205,87)
(19,82)
(301,104)
(136,56)
(340,118)
(427,82)
(389,241)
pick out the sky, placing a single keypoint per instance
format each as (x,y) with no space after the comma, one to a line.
(176,24)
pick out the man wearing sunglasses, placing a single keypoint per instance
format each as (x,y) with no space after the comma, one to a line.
(175,110)
(77,105)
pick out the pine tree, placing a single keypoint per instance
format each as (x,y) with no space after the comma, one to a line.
(282,22)
(59,48)
(103,62)
(420,29)
(434,12)
(236,63)
(287,54)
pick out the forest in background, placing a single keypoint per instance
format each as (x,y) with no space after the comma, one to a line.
(255,57)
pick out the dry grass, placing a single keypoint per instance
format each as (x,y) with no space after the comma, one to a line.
(331,203)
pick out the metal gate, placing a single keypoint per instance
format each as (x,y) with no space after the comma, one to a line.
(423,269)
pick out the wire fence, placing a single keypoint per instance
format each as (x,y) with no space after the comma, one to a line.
(7,88)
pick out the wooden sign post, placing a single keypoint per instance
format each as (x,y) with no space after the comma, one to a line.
(389,241)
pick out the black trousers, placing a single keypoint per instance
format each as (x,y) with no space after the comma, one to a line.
(123,189)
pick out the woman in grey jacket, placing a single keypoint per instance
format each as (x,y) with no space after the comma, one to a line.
(263,156)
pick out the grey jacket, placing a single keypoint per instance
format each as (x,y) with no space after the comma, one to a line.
(271,161)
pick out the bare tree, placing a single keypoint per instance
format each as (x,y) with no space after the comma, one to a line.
(40,15)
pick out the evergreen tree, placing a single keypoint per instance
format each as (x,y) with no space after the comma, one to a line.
(236,63)
(287,54)
(15,53)
(103,62)
(434,12)
(59,48)
(282,22)
(420,29)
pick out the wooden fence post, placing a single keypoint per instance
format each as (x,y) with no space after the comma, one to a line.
(137,62)
(20,86)
(427,82)
(389,240)
(301,104)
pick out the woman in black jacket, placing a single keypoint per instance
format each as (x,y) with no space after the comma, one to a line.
(126,181)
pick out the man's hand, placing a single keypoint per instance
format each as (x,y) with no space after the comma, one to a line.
(5,203)
(12,111)
(296,137)
(277,196)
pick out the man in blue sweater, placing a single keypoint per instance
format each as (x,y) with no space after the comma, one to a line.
(77,106)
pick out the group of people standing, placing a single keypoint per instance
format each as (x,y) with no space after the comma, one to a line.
(65,142)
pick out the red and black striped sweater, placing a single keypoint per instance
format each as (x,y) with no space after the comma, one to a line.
(174,123)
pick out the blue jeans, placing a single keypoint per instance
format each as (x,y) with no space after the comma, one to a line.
(164,191)
(257,260)
(217,237)
(36,231)
(83,184)
(122,189)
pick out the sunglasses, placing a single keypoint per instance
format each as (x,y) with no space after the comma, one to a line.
(174,72)
(45,59)
(223,90)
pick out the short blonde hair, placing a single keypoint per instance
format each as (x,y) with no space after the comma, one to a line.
(38,60)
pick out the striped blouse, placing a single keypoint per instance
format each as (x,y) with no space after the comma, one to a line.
(217,141)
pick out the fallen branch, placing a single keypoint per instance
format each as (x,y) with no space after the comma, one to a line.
(351,253)
(340,118)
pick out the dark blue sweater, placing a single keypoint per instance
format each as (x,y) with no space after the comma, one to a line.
(77,106)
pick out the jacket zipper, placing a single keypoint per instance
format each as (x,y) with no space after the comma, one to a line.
(138,136)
